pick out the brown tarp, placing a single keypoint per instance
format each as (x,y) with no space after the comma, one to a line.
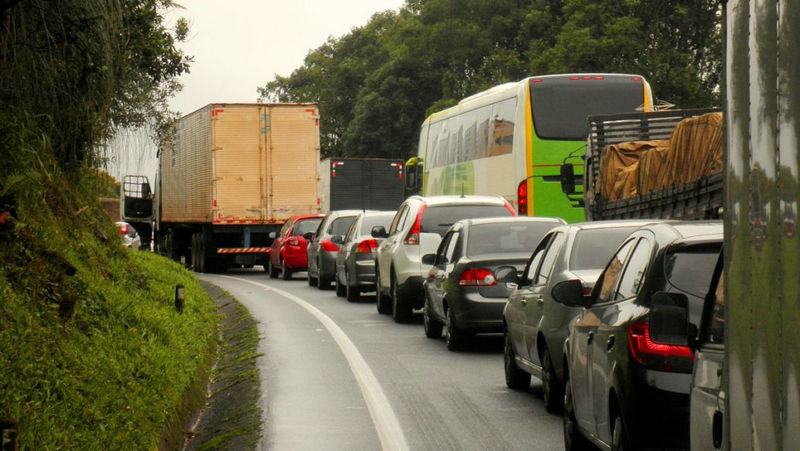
(638,167)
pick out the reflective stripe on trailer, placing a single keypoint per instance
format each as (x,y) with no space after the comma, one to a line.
(243,250)
(239,221)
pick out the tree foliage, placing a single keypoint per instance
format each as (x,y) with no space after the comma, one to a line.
(377,83)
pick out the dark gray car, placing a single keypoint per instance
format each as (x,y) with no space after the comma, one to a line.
(465,289)
(534,324)
(322,250)
(355,262)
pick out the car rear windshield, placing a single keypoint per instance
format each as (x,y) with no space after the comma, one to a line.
(688,270)
(439,218)
(506,238)
(594,247)
(306,225)
(340,226)
(371,221)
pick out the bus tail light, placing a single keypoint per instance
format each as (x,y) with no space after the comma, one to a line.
(367,246)
(412,237)
(658,356)
(522,198)
(477,277)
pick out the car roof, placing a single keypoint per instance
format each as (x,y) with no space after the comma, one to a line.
(613,223)
(455,200)
(370,213)
(311,216)
(690,230)
(347,212)
(503,219)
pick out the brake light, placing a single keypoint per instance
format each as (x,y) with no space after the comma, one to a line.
(477,277)
(636,79)
(658,356)
(522,198)
(412,237)
(367,246)
(123,229)
(328,246)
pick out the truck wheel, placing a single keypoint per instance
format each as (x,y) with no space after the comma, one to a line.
(201,254)
(193,253)
(401,310)
(286,273)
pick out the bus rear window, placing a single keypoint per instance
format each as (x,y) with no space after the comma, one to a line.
(560,105)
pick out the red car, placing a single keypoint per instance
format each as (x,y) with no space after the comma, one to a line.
(288,252)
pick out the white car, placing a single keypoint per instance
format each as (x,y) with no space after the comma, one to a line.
(128,234)
(416,230)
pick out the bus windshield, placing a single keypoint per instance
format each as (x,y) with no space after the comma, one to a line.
(561,104)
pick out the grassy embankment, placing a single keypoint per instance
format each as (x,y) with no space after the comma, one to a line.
(94,353)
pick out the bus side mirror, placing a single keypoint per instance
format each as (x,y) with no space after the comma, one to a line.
(567,179)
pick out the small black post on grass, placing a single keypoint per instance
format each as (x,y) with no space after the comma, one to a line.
(9,434)
(179,295)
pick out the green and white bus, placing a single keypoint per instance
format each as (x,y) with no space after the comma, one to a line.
(512,139)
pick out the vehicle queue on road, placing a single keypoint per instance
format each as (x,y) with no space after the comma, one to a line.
(602,312)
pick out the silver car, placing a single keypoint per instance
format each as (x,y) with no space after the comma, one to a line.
(355,262)
(128,234)
(322,249)
(534,324)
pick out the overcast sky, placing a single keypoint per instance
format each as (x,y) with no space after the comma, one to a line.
(237,46)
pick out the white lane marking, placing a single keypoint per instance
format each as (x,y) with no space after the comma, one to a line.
(386,425)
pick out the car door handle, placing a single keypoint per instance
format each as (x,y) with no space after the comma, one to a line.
(540,301)
(590,338)
(610,343)
(523,302)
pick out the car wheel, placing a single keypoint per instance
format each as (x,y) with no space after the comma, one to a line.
(433,328)
(273,271)
(453,336)
(312,281)
(382,302)
(401,312)
(619,441)
(552,393)
(573,440)
(323,283)
(341,289)
(286,273)
(353,291)
(516,379)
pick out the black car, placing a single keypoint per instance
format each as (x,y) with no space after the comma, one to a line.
(355,262)
(627,387)
(464,290)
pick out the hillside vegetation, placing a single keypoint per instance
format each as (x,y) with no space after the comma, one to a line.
(95,355)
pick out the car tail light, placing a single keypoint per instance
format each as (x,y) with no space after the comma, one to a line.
(522,197)
(412,237)
(328,246)
(477,277)
(658,356)
(123,229)
(367,246)
(293,242)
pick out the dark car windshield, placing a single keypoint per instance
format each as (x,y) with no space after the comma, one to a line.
(439,218)
(306,225)
(688,270)
(594,247)
(506,237)
(340,226)
(371,221)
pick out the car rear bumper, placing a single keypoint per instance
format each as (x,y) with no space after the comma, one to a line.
(659,419)
(296,260)
(477,313)
(365,272)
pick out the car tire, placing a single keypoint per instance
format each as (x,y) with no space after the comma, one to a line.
(401,311)
(619,439)
(353,291)
(453,336)
(273,271)
(573,439)
(433,328)
(516,379)
(312,281)
(341,289)
(323,283)
(382,302)
(552,392)
(286,273)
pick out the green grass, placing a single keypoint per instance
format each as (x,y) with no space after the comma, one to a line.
(99,359)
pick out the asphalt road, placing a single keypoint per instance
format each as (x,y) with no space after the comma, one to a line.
(339,376)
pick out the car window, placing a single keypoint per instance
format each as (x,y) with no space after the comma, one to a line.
(351,232)
(535,260)
(452,253)
(716,328)
(369,222)
(592,247)
(632,278)
(438,219)
(286,226)
(612,272)
(688,270)
(549,259)
(505,237)
(306,225)
(340,225)
(441,251)
(399,219)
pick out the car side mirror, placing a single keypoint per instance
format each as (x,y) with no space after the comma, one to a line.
(669,318)
(272,235)
(308,236)
(337,239)
(567,179)
(379,232)
(570,293)
(507,274)
(429,259)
